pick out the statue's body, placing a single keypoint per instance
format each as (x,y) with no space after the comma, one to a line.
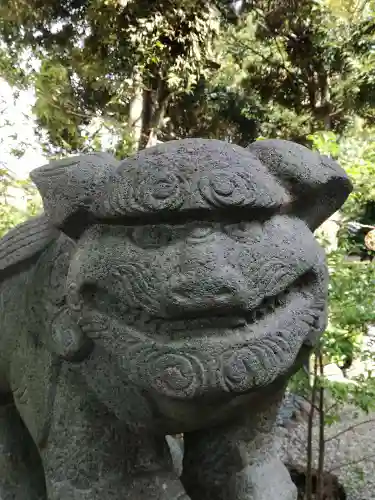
(174,292)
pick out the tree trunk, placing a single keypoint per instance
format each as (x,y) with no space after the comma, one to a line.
(157,123)
(157,108)
(136,111)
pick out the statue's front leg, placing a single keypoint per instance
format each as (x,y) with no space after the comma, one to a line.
(91,455)
(238,461)
(91,474)
(21,473)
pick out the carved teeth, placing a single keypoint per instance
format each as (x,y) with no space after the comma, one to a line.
(268,306)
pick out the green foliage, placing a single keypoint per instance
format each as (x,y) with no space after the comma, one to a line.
(355,151)
(286,68)
(12,190)
(352,292)
(18,198)
(352,283)
(96,57)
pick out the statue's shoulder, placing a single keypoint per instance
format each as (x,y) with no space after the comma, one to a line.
(24,243)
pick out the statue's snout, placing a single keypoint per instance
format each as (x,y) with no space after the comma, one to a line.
(206,281)
(212,289)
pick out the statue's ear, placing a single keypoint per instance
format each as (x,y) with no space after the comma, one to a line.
(71,188)
(318,184)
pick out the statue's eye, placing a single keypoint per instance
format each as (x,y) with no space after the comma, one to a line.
(152,236)
(244,230)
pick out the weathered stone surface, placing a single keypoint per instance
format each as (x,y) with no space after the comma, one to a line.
(172,292)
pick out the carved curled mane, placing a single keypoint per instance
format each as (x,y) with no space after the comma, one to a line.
(24,243)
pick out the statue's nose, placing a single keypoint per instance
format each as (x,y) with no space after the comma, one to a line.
(210,287)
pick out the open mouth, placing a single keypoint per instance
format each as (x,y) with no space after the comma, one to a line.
(209,320)
(222,351)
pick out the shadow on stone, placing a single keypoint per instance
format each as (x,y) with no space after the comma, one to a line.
(332,488)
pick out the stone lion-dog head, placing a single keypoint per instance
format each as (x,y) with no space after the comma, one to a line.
(195,260)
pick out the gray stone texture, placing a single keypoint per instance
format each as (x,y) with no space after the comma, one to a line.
(172,292)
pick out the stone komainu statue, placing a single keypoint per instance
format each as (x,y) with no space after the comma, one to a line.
(173,292)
